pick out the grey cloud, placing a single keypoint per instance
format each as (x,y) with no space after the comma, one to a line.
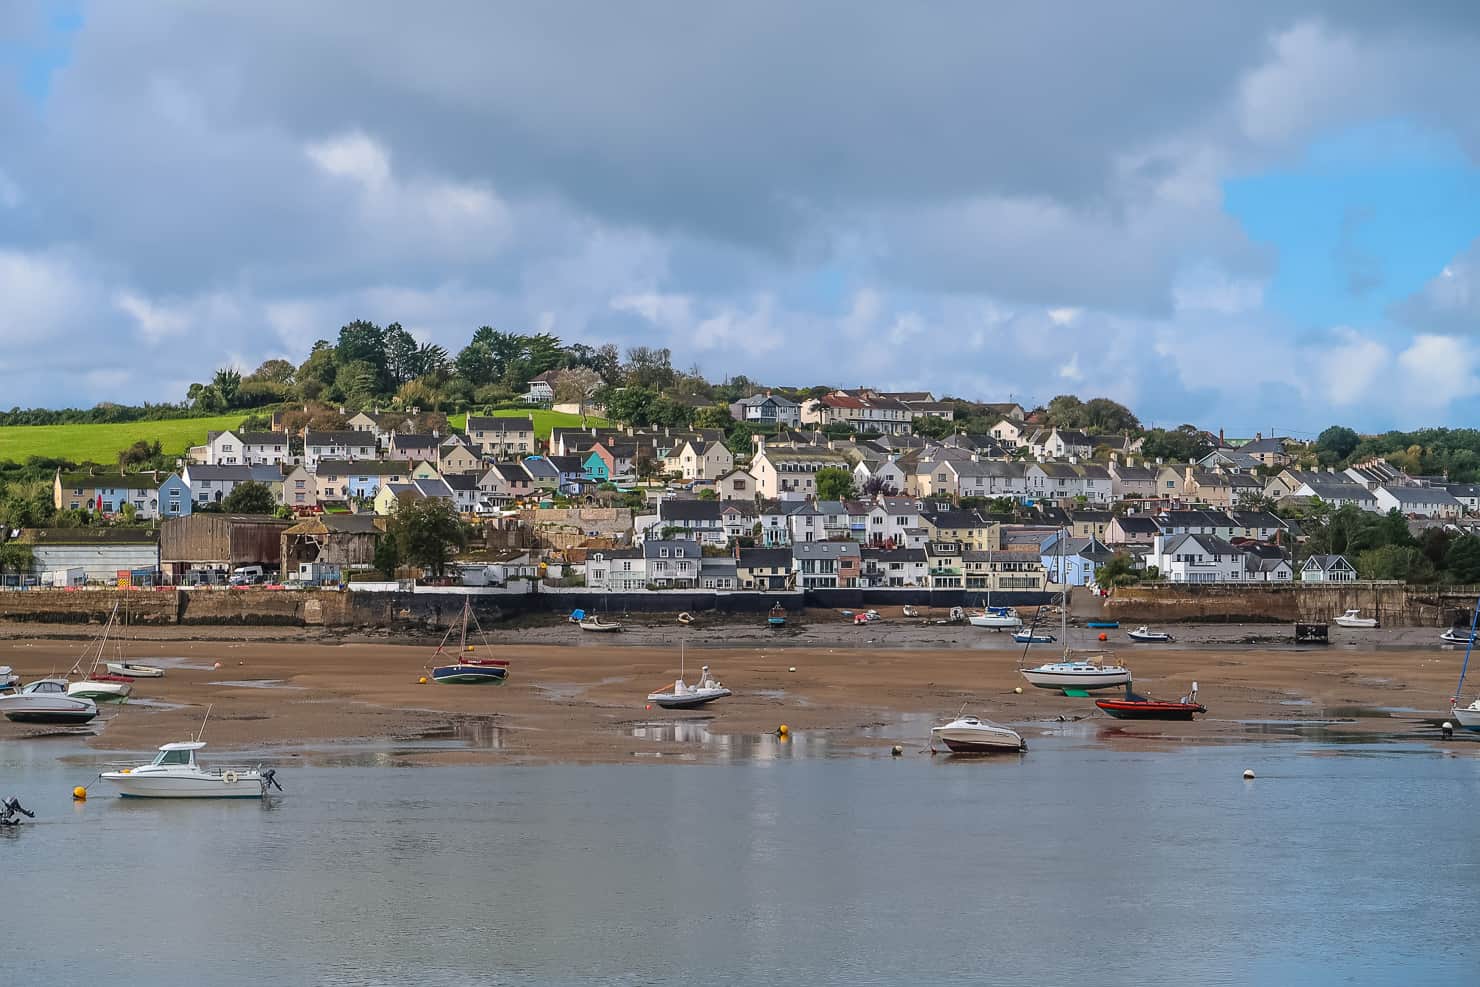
(1450,301)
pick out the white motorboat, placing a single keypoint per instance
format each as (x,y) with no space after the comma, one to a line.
(99,690)
(973,735)
(1146,635)
(46,701)
(174,774)
(1453,635)
(1077,673)
(130,670)
(684,696)
(8,677)
(1354,618)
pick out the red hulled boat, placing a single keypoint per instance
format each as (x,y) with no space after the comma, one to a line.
(1134,707)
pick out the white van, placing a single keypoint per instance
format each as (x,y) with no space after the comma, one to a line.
(244,574)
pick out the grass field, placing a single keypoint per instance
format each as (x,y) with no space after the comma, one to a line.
(102,443)
(544,420)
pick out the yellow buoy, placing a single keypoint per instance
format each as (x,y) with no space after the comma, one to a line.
(79,793)
(422,680)
(783,730)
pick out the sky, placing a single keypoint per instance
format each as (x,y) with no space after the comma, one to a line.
(1257,217)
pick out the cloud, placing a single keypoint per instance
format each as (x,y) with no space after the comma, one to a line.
(1450,301)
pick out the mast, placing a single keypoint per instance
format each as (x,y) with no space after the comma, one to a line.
(1469,647)
(462,641)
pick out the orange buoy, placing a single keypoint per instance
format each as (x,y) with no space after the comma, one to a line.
(1104,636)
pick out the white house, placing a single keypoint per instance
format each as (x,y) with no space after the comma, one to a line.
(1422,501)
(1196,559)
(1008,433)
(1328,569)
(767,409)
(699,460)
(233,448)
(350,445)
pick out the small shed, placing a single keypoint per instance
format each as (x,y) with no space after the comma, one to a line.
(345,540)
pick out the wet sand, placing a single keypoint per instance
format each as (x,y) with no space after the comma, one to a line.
(288,692)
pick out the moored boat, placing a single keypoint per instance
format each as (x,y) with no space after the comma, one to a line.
(8,677)
(1354,618)
(1457,635)
(1028,637)
(1146,635)
(174,774)
(47,701)
(129,670)
(1467,717)
(777,616)
(681,695)
(1134,707)
(996,618)
(1102,625)
(974,735)
(594,622)
(1077,673)
(467,667)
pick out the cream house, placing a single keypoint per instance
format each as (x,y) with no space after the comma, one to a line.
(698,460)
(737,484)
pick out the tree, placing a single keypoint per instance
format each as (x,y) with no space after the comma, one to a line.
(1106,417)
(1401,562)
(576,384)
(250,497)
(1462,559)
(401,354)
(1255,500)
(227,383)
(932,427)
(878,486)
(714,416)
(1336,444)
(1065,411)
(427,532)
(1175,446)
(708,493)
(1117,571)
(275,371)
(15,557)
(649,367)
(387,556)
(834,483)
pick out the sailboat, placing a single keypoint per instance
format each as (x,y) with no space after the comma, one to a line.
(1087,673)
(1467,716)
(684,696)
(996,618)
(127,668)
(467,668)
(99,688)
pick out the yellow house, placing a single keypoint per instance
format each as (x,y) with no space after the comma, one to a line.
(425,471)
(388,497)
(966,528)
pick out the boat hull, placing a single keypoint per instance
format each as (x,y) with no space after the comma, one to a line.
(54,715)
(670,701)
(1150,638)
(600,628)
(135,671)
(1355,623)
(776,621)
(959,741)
(1087,681)
(1466,717)
(1123,709)
(470,675)
(159,786)
(100,692)
(1102,625)
(995,623)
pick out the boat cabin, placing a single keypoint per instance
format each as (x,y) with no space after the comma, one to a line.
(177,755)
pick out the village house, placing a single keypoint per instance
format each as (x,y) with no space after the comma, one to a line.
(735,484)
(1131,482)
(1084,523)
(503,482)
(885,470)
(718,573)
(1328,569)
(967,529)
(1010,433)
(300,489)
(767,410)
(791,473)
(672,563)
(1336,490)
(826,564)
(543,475)
(1073,560)
(1270,452)
(1007,569)
(542,387)
(1468,494)
(456,457)
(699,460)
(943,562)
(1197,522)
(150,495)
(1418,501)
(890,520)
(1256,525)
(341,481)
(246,448)
(893,567)
(1132,529)
(500,436)
(348,445)
(1060,443)
(616,570)
(413,447)
(863,411)
(701,520)
(763,568)
(1196,559)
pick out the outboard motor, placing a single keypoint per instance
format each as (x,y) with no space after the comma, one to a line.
(11,810)
(269,780)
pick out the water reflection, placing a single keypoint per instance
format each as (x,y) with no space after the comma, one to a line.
(733,746)
(257,684)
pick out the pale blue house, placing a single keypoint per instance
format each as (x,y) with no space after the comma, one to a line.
(1072,561)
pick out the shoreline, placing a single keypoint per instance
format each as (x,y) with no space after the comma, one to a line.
(582,698)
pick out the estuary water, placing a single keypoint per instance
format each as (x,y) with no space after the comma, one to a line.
(1073,864)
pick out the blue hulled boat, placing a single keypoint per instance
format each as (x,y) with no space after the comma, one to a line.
(467,668)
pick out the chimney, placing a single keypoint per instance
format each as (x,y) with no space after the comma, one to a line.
(1220,437)
(1258,436)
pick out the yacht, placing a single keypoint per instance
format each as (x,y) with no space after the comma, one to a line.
(1078,673)
(1354,618)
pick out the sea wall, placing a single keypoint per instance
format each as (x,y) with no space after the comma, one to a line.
(1393,604)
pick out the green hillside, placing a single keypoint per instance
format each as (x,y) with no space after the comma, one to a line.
(102,443)
(544,420)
